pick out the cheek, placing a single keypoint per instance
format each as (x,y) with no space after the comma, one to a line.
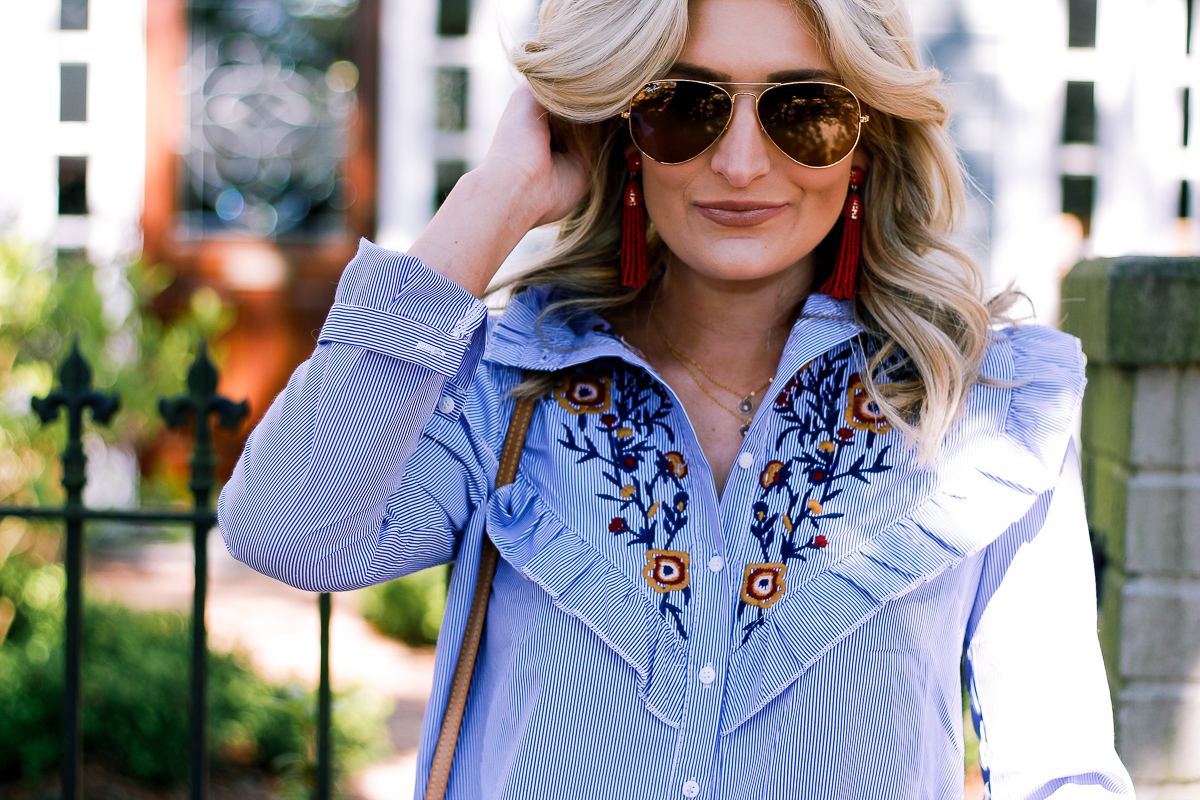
(665,190)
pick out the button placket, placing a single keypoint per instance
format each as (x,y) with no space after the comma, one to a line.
(708,649)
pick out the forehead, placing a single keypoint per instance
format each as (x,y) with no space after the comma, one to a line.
(750,40)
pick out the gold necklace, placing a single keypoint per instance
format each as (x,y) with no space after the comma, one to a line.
(745,406)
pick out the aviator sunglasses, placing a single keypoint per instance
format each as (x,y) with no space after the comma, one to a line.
(815,124)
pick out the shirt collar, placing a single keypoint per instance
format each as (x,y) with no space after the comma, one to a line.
(519,340)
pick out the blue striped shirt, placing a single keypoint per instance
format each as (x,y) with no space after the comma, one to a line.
(799,636)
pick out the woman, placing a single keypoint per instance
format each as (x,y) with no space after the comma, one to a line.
(755,525)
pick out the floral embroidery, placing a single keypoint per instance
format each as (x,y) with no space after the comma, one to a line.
(763,584)
(646,483)
(799,490)
(666,570)
(585,394)
(676,465)
(861,411)
(773,473)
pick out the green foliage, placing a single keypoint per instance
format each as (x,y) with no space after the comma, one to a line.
(43,307)
(410,608)
(135,695)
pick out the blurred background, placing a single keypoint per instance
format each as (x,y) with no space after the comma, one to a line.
(172,170)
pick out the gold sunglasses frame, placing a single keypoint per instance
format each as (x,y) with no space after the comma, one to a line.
(862,118)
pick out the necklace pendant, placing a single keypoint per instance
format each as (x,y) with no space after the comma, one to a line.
(745,406)
(744,429)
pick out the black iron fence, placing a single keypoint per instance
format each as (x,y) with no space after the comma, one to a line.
(199,404)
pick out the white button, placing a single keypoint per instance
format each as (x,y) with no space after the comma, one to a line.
(707,674)
(446,405)
(746,460)
(691,789)
(716,563)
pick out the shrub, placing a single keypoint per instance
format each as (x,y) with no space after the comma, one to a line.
(410,608)
(135,695)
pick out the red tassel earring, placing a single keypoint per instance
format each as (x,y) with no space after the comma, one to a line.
(840,285)
(634,272)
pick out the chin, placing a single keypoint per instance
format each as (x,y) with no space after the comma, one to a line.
(750,267)
(735,260)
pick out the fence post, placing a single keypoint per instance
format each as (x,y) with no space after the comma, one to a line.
(75,395)
(1139,321)
(324,785)
(200,402)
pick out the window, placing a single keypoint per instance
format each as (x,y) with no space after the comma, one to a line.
(1078,199)
(74,15)
(1190,12)
(454,17)
(274,93)
(1081,23)
(72,185)
(1079,116)
(448,173)
(1187,113)
(73,93)
(452,98)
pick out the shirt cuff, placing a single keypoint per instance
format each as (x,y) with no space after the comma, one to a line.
(393,304)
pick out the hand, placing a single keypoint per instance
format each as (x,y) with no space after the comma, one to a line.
(522,183)
(552,181)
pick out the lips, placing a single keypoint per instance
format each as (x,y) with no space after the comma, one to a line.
(740,213)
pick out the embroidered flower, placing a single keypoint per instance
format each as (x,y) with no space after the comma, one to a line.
(608,420)
(827,447)
(816,476)
(845,434)
(675,464)
(759,510)
(763,584)
(680,501)
(820,541)
(624,433)
(652,510)
(618,525)
(861,411)
(666,570)
(787,523)
(814,506)
(772,474)
(628,490)
(585,394)
(628,463)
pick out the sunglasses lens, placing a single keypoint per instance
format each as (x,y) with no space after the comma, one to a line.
(674,121)
(816,124)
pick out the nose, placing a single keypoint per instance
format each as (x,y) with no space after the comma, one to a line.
(743,153)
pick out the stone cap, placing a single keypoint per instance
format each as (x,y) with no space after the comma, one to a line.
(1135,310)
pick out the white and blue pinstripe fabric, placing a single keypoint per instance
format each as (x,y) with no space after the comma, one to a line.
(798,637)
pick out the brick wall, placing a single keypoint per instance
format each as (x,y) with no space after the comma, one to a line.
(1139,320)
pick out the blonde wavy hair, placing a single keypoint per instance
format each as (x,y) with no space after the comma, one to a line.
(919,295)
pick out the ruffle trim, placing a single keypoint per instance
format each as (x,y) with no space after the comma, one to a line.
(590,588)
(1006,451)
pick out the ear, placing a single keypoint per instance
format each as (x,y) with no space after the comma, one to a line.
(860,158)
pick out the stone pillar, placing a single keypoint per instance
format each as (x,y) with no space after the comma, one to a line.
(1139,320)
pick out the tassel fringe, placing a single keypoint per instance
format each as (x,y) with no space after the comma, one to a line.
(634,270)
(844,277)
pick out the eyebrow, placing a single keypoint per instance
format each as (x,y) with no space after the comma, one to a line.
(783,76)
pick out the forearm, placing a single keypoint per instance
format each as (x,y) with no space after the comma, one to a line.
(481,221)
(307,502)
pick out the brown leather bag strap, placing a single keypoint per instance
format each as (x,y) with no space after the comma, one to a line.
(460,686)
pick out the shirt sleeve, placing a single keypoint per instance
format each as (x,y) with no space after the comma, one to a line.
(1039,697)
(319,498)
